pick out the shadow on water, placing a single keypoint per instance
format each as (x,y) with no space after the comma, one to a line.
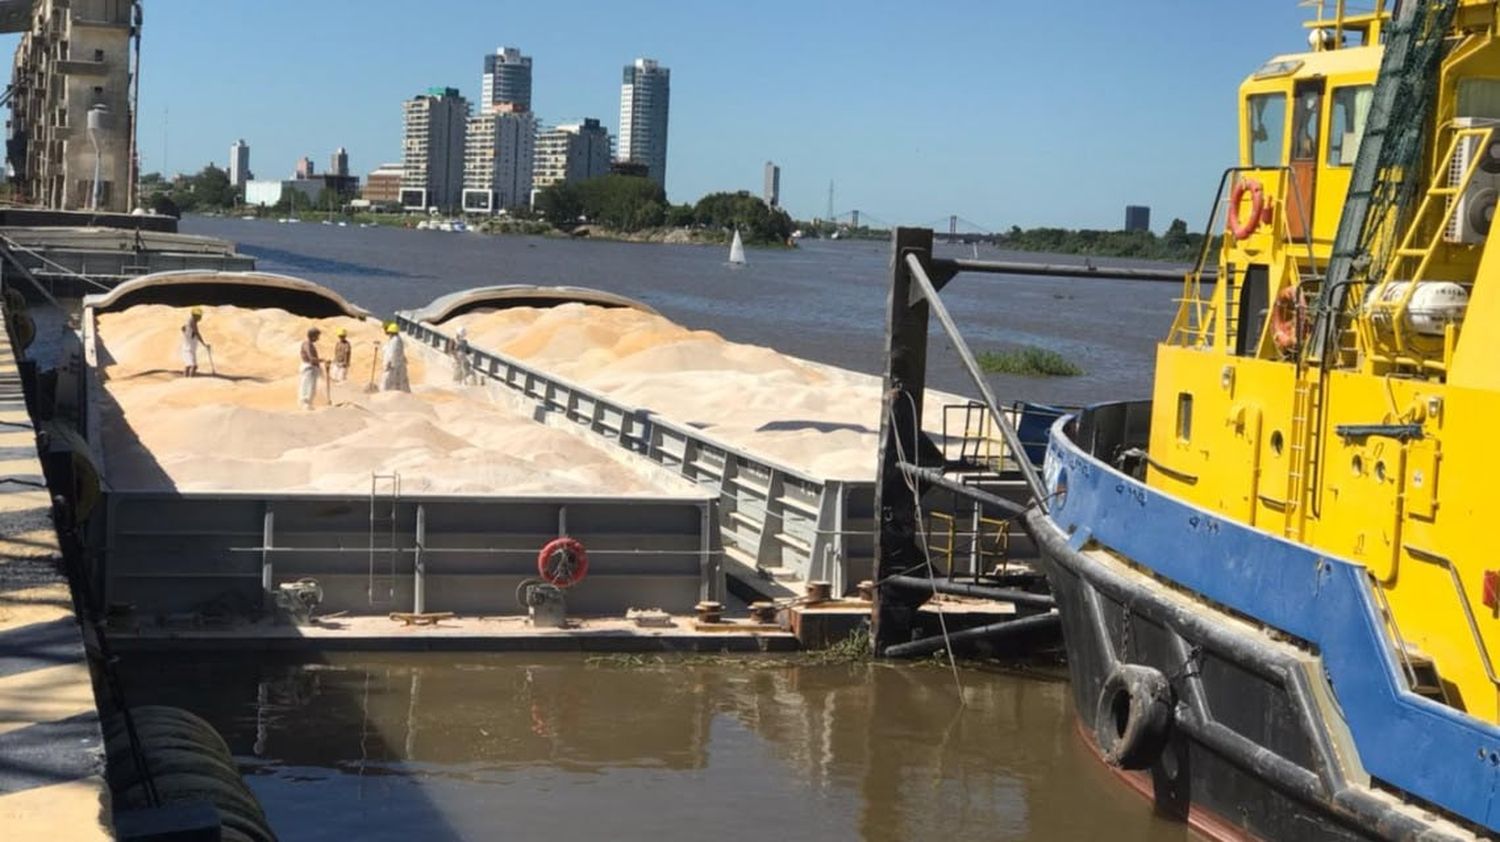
(556,746)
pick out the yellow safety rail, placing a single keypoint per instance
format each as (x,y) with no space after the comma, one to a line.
(1383,316)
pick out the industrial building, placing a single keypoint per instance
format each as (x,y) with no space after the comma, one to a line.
(436,126)
(571,152)
(383,185)
(271,192)
(73,104)
(645,94)
(497,161)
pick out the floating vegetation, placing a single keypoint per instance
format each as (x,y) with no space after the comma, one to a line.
(1029,361)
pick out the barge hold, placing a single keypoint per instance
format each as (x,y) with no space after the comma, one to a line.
(786,445)
(205,499)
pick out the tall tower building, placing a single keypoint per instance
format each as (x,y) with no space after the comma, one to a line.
(433,151)
(771,191)
(239,163)
(338,163)
(305,167)
(645,92)
(497,161)
(571,152)
(506,82)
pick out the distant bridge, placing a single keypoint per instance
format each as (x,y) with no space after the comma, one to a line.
(949,229)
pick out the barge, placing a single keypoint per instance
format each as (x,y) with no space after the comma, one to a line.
(181,524)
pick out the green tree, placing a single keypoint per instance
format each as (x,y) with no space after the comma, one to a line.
(211,188)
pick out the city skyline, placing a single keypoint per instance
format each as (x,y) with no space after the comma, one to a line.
(985,132)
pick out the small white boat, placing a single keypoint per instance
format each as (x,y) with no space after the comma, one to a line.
(737,250)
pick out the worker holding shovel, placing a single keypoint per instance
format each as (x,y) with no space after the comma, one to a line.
(191,339)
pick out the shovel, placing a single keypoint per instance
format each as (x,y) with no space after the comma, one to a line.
(374,358)
(328,383)
(211,368)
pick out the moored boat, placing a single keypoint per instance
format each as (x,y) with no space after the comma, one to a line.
(1278,591)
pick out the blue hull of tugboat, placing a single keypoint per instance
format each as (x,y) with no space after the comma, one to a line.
(1290,716)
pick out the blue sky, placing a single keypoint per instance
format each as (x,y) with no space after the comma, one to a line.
(1004,112)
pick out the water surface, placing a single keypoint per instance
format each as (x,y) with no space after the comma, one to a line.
(516,746)
(825,300)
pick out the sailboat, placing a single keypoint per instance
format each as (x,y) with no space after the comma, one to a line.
(737,250)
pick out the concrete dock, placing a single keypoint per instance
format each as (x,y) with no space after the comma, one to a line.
(51,747)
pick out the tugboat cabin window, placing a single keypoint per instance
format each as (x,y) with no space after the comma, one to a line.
(1267,124)
(1184,416)
(1346,123)
(1306,116)
(1479,97)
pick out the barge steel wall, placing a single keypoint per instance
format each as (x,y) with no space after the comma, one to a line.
(781,527)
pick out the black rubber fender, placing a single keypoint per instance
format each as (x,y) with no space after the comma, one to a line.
(161,718)
(1133,718)
(236,805)
(172,760)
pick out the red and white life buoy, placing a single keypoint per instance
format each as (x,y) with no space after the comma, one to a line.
(562,563)
(1240,227)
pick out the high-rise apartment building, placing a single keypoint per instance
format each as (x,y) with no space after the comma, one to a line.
(239,163)
(70,95)
(771,191)
(338,163)
(571,152)
(497,161)
(1137,218)
(507,81)
(305,167)
(436,126)
(645,92)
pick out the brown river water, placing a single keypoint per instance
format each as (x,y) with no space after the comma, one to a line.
(521,746)
(465,746)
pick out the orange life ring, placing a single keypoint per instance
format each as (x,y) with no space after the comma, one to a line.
(1243,228)
(1288,319)
(562,562)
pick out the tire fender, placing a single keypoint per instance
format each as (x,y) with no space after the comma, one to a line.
(1133,718)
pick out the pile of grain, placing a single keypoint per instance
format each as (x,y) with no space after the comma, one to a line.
(816,418)
(242,430)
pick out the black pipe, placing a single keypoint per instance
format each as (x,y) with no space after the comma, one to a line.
(935,477)
(1064,270)
(944,586)
(994,632)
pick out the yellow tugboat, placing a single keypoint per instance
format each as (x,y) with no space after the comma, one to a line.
(1277,578)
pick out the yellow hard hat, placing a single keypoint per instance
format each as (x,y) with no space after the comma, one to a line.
(343,331)
(390,327)
(197,311)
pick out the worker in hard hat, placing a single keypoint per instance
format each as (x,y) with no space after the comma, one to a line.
(393,362)
(192,337)
(342,353)
(463,361)
(310,369)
